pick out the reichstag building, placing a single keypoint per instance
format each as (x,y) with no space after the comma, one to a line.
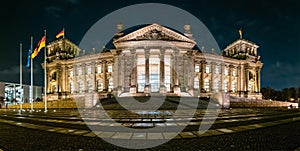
(152,60)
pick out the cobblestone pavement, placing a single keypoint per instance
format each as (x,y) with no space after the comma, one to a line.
(235,129)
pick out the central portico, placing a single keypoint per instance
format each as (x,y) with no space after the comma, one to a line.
(147,59)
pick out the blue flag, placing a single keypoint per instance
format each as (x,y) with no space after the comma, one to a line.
(28,58)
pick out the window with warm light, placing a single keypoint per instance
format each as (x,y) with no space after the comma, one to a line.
(109,68)
(197,68)
(207,69)
(233,73)
(196,83)
(225,71)
(89,70)
(99,69)
(225,86)
(233,86)
(79,71)
(216,86)
(206,85)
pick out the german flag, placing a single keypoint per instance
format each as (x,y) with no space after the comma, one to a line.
(61,33)
(40,45)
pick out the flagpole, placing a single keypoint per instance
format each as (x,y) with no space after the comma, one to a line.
(64,32)
(21,79)
(45,73)
(31,73)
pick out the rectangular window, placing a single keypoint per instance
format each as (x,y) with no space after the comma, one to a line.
(196,83)
(197,68)
(206,85)
(207,69)
(225,86)
(99,69)
(109,68)
(100,86)
(80,87)
(233,85)
(79,71)
(110,85)
(216,86)
(141,72)
(89,70)
(167,60)
(234,73)
(90,86)
(225,71)
(217,70)
(71,87)
(53,88)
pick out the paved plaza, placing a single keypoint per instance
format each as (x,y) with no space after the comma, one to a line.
(233,129)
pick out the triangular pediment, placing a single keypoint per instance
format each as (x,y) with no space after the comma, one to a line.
(154,32)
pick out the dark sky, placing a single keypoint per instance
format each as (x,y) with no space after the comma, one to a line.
(273,25)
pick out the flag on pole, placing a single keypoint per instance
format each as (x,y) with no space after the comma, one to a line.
(61,33)
(40,45)
(28,57)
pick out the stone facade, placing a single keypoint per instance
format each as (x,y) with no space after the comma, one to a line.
(152,60)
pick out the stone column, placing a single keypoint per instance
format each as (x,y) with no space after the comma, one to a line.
(115,73)
(239,80)
(75,79)
(242,74)
(190,67)
(172,68)
(162,88)
(94,76)
(184,83)
(258,79)
(203,64)
(212,70)
(176,87)
(147,86)
(247,79)
(104,70)
(222,76)
(47,78)
(133,77)
(83,67)
(230,77)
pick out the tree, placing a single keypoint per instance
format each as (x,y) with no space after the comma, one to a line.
(268,93)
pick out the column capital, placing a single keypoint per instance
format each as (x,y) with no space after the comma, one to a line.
(132,51)
(162,51)
(203,62)
(147,55)
(103,61)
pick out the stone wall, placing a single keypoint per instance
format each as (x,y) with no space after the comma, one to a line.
(65,103)
(259,103)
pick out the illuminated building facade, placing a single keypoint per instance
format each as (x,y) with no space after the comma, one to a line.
(152,60)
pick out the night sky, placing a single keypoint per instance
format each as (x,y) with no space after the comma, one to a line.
(273,25)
